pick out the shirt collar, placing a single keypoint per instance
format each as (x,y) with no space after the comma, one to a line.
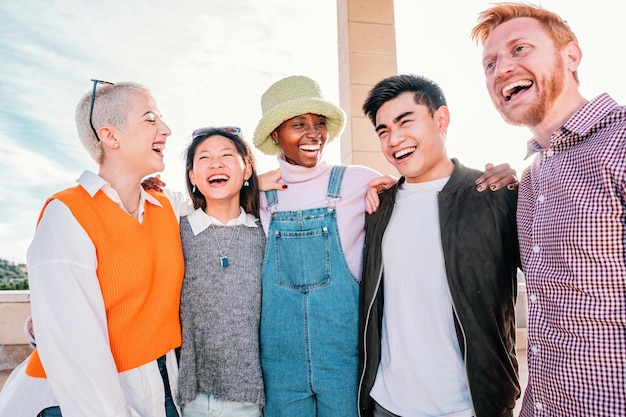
(200,221)
(577,127)
(92,183)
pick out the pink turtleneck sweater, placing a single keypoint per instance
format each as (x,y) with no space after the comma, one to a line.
(307,189)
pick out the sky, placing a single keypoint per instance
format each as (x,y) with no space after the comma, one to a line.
(207,63)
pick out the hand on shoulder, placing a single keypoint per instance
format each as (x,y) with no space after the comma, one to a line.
(496,177)
(375,187)
(269,181)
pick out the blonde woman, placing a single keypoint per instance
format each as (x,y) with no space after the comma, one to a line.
(104,299)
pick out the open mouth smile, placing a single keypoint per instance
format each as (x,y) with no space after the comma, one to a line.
(218,179)
(404,152)
(310,148)
(510,90)
(158,148)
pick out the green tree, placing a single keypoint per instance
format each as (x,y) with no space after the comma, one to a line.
(13,276)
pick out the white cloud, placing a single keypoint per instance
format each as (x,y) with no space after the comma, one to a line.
(207,63)
(28,178)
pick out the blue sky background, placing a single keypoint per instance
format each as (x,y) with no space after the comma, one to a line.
(207,62)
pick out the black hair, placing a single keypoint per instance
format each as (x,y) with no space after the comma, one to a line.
(249,195)
(425,92)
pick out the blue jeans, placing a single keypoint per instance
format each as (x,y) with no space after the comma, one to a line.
(209,406)
(309,319)
(170,408)
(50,412)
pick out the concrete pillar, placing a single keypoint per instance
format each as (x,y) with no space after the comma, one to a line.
(367,54)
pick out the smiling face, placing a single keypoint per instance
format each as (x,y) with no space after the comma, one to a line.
(219,170)
(413,140)
(141,139)
(302,139)
(525,72)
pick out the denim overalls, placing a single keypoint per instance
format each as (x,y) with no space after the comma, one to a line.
(309,319)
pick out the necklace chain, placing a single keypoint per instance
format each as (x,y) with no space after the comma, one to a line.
(132,212)
(223,257)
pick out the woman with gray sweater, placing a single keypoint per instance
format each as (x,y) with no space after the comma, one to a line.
(220,308)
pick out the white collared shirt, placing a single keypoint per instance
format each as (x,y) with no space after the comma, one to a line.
(200,221)
(81,371)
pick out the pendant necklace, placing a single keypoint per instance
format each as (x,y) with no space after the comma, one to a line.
(223,257)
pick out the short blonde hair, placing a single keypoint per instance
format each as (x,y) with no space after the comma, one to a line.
(111,106)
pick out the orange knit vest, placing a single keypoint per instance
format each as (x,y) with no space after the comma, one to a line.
(140,270)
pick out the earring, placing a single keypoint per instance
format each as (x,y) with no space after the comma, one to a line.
(116,145)
(246,183)
(193,190)
(275,141)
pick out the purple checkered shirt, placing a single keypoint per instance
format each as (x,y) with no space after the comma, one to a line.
(572,230)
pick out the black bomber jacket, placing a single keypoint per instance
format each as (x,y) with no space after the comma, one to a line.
(479,242)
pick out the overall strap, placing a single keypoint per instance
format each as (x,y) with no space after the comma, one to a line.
(334,182)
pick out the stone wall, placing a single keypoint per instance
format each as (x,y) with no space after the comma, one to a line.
(14,310)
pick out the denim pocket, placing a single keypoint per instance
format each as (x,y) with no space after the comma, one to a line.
(303,258)
(50,412)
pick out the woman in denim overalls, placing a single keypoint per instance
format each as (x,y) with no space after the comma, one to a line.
(309,319)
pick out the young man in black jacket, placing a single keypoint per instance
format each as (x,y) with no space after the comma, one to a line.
(439,272)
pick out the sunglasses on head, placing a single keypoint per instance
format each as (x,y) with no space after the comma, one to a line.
(202,131)
(93,99)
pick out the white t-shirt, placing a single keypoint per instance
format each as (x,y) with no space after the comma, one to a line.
(421,372)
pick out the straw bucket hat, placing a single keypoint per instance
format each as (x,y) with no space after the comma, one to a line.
(291,97)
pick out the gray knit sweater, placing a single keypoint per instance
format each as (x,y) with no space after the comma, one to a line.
(220,314)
